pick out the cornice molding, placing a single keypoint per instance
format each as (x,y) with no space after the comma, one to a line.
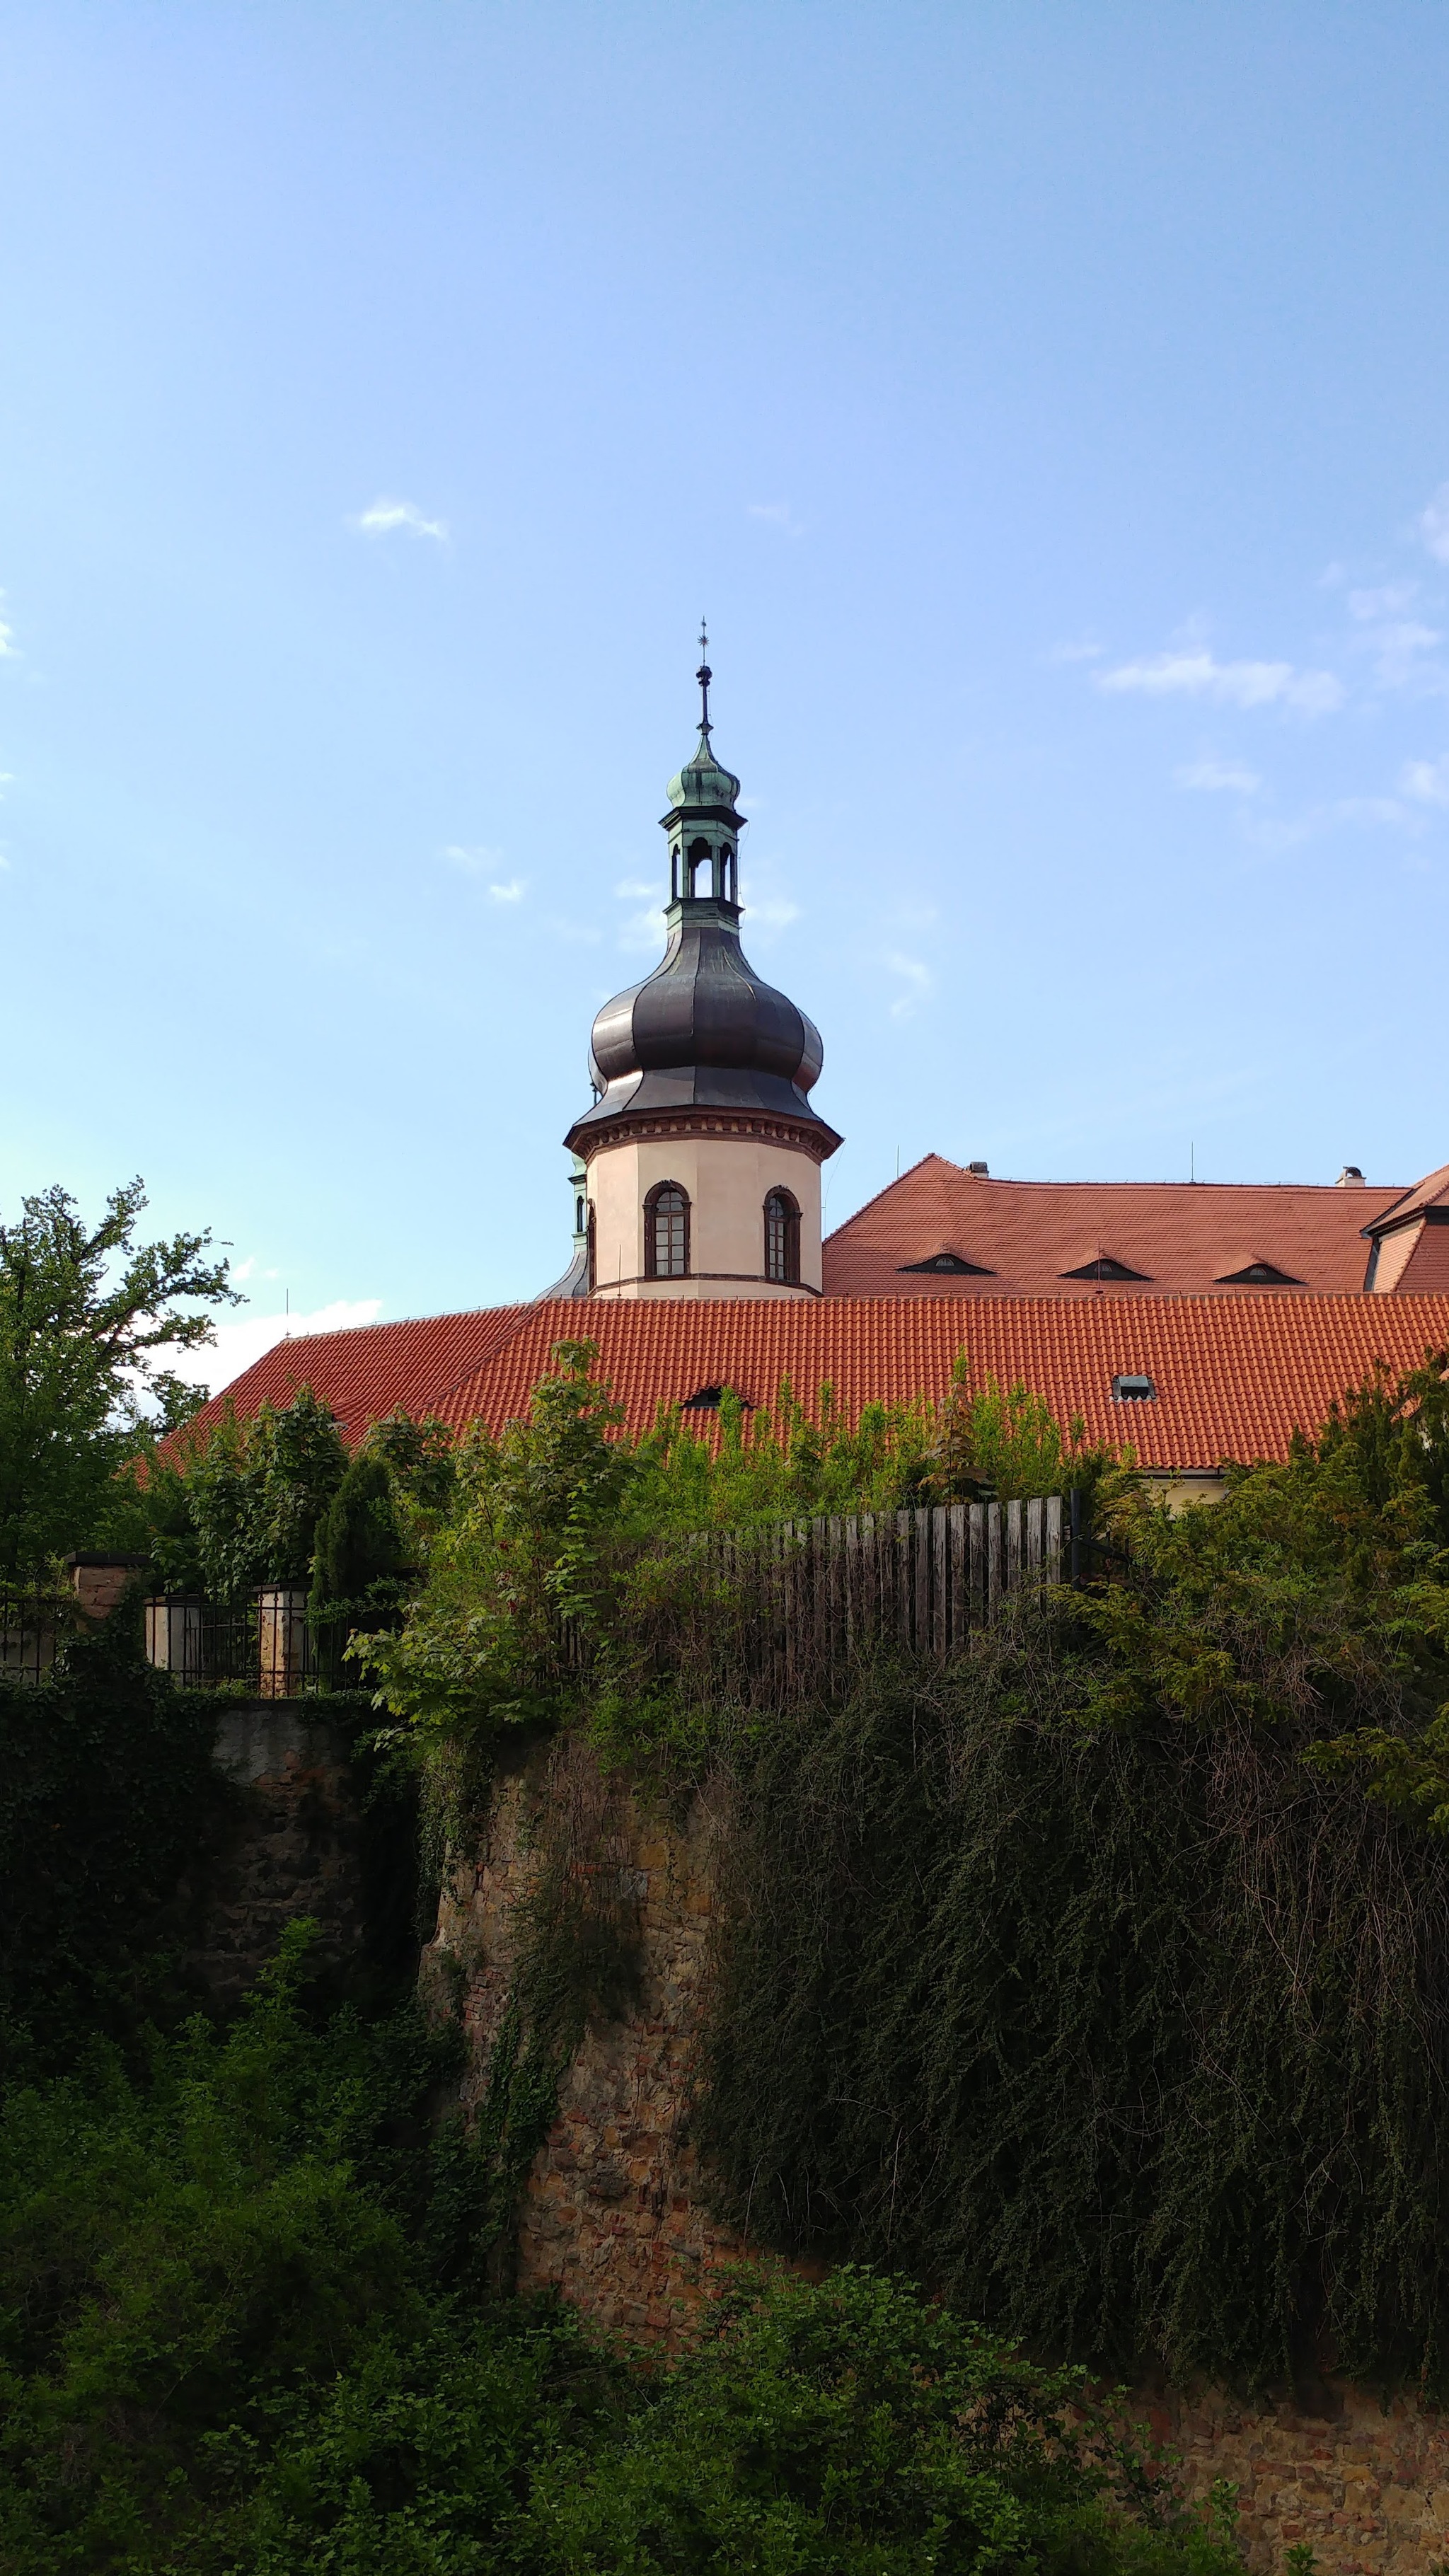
(799,1136)
(770,1291)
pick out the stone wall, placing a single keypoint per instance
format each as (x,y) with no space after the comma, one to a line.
(291,1844)
(614,2219)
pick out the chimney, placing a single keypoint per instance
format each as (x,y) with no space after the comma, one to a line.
(1350,1178)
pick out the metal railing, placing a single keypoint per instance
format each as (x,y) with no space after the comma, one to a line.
(264,1643)
(30,1625)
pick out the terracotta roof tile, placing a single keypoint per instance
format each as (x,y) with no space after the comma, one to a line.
(1181,1236)
(1235,1374)
(370,1369)
(1431,1192)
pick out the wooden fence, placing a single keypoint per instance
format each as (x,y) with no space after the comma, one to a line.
(793,1603)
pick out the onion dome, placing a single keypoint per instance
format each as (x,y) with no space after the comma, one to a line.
(704,1031)
(703,782)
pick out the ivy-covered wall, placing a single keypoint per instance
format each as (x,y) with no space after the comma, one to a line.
(154,1844)
(623,2217)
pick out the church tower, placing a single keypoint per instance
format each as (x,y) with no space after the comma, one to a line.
(702,1153)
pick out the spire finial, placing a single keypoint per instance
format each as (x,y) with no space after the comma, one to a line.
(704,675)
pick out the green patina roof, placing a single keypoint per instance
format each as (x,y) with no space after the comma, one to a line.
(703,780)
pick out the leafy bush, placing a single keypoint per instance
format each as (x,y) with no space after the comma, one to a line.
(189,2265)
(855,2430)
(229,2347)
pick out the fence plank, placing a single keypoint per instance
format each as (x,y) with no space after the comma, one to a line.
(960,1519)
(901,1569)
(940,1635)
(1052,1557)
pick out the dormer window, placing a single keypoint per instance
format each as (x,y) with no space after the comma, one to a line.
(1258,1274)
(666,1232)
(947,1265)
(782,1239)
(706,1399)
(1133,1387)
(1104,1267)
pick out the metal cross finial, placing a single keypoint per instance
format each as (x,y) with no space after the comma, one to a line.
(704,675)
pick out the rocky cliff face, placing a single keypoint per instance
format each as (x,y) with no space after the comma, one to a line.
(614,2216)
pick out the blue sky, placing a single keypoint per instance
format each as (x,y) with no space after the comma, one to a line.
(1049,404)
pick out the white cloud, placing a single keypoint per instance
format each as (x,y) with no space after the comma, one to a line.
(917,980)
(1400,649)
(480,862)
(9,649)
(1076,652)
(1434,524)
(384,517)
(7,779)
(1390,601)
(769,911)
(237,1345)
(634,890)
(776,514)
(1193,672)
(1369,811)
(473,861)
(1427,781)
(1226,777)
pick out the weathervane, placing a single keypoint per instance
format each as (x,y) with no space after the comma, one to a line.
(704,675)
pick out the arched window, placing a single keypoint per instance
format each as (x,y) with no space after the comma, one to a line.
(666,1232)
(782,1239)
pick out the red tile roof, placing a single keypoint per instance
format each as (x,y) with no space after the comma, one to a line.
(1427,1268)
(1432,1192)
(371,1369)
(1182,1237)
(1234,1374)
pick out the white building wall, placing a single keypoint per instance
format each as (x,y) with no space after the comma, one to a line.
(726,1179)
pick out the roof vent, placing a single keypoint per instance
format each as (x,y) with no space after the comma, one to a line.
(1258,1274)
(1104,1267)
(949,1265)
(1128,1389)
(1350,1178)
(706,1399)
(981,1170)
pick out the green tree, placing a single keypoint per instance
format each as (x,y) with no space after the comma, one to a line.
(537,1526)
(357,1562)
(242,1506)
(85,1314)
